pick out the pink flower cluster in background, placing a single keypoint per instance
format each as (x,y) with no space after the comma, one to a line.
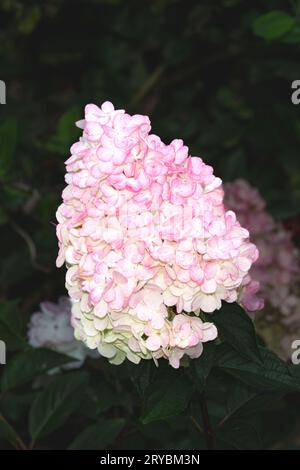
(277,268)
(147,242)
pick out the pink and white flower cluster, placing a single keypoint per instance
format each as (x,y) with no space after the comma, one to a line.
(51,328)
(277,268)
(147,241)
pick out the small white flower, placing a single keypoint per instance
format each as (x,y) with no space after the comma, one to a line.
(51,328)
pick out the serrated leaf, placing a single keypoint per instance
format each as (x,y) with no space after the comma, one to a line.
(26,365)
(294,370)
(8,433)
(100,398)
(142,375)
(260,402)
(56,403)
(167,396)
(241,434)
(14,405)
(238,395)
(236,328)
(98,436)
(273,374)
(244,401)
(201,367)
(273,25)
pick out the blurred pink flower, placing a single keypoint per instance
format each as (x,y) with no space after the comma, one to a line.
(277,268)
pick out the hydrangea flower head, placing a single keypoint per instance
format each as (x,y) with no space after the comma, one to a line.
(147,241)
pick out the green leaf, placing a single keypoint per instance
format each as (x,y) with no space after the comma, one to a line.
(273,374)
(99,398)
(201,367)
(11,327)
(56,403)
(244,401)
(66,126)
(294,370)
(99,435)
(293,36)
(228,397)
(15,405)
(66,133)
(142,375)
(259,403)
(236,328)
(8,433)
(24,366)
(238,395)
(167,396)
(8,135)
(273,25)
(241,434)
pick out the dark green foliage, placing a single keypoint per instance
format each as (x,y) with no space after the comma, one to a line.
(237,329)
(98,436)
(56,403)
(27,365)
(168,395)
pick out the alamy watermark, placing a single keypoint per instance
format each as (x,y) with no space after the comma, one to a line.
(2,352)
(295,358)
(2,92)
(295,96)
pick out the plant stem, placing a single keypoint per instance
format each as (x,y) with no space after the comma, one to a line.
(193,419)
(209,436)
(31,247)
(149,83)
(15,439)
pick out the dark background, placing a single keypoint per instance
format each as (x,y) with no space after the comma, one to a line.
(203,72)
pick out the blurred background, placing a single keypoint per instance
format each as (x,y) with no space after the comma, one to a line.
(216,74)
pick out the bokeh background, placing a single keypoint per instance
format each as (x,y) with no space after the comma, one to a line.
(214,73)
